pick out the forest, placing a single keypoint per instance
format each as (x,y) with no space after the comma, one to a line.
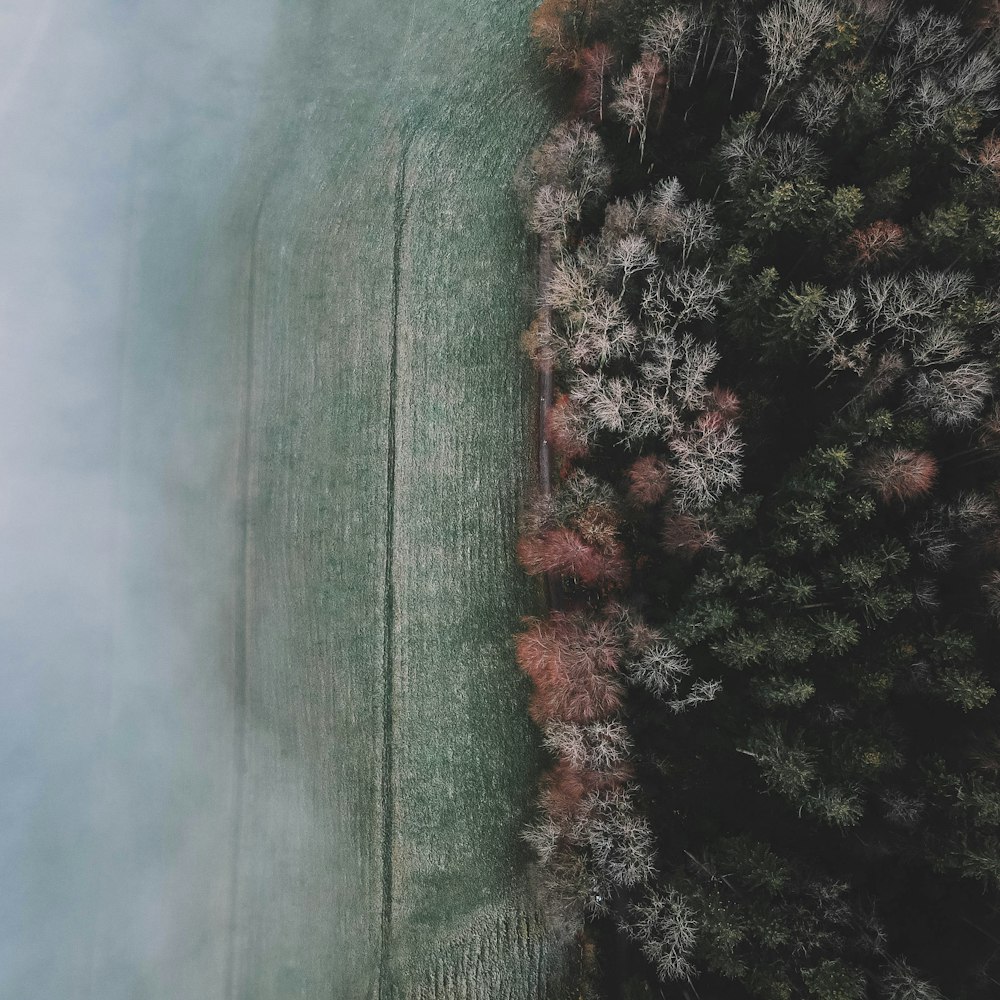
(768,338)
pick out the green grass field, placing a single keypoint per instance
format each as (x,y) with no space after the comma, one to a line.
(339,338)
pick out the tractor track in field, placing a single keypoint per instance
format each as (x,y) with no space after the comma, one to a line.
(388,650)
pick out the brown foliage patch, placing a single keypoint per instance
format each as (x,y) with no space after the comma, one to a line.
(684,535)
(989,154)
(881,240)
(572,661)
(900,473)
(595,64)
(725,402)
(648,480)
(566,787)
(557,27)
(562,550)
(566,429)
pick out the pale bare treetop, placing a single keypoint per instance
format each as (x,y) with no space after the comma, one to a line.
(790,31)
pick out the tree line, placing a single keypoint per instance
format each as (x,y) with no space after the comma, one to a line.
(772,318)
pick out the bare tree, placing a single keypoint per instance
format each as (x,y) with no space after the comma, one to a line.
(952,398)
(899,473)
(682,366)
(707,463)
(932,540)
(573,156)
(928,105)
(543,837)
(683,295)
(900,808)
(685,535)
(635,93)
(652,412)
(882,239)
(567,429)
(596,63)
(631,254)
(670,35)
(620,838)
(602,747)
(924,39)
(819,104)
(568,290)
(555,208)
(991,592)
(664,204)
(601,330)
(901,982)
(790,156)
(941,345)
(736,35)
(664,925)
(649,480)
(988,157)
(976,81)
(624,216)
(701,690)
(835,332)
(790,30)
(572,660)
(906,305)
(742,154)
(660,668)
(606,400)
(688,227)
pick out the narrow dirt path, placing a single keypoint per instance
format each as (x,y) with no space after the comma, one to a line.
(555,593)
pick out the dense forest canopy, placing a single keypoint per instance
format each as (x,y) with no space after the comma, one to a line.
(770,308)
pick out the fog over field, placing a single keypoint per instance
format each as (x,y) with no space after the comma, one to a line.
(261,280)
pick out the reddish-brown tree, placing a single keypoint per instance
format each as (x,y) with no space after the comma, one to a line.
(573,661)
(648,480)
(899,473)
(596,63)
(879,241)
(989,153)
(566,429)
(711,422)
(684,535)
(986,15)
(558,27)
(725,402)
(564,790)
(562,550)
(537,343)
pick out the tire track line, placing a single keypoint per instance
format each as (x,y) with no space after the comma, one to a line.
(386,985)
